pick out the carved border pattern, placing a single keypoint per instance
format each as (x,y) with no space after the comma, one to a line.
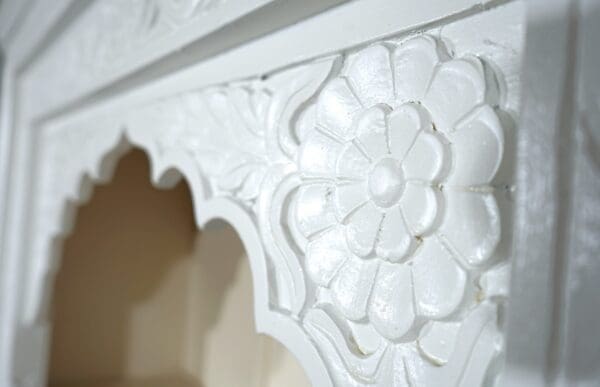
(100,46)
(367,182)
(112,37)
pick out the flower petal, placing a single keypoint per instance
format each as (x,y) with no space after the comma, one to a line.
(425,159)
(477,147)
(306,124)
(437,340)
(419,206)
(457,87)
(367,339)
(352,163)
(439,282)
(370,73)
(371,132)
(471,225)
(349,197)
(394,241)
(404,124)
(325,255)
(362,229)
(414,62)
(318,155)
(351,287)
(314,210)
(391,305)
(336,107)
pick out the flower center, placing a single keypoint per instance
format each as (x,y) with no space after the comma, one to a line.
(386,182)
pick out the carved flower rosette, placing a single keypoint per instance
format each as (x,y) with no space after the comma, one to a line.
(397,215)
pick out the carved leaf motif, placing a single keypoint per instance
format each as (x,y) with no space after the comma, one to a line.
(236,133)
(237,158)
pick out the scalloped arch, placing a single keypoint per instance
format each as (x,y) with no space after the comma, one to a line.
(167,169)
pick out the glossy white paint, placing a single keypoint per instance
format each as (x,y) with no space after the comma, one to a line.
(396,205)
(366,157)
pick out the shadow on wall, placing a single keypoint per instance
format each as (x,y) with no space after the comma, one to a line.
(143,299)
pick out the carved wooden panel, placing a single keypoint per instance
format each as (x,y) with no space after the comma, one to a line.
(372,183)
(368,179)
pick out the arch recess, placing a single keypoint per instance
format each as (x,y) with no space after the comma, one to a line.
(76,155)
(166,172)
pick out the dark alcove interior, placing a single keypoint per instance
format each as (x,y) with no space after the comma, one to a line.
(143,298)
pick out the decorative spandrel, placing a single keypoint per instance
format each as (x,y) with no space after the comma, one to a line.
(397,212)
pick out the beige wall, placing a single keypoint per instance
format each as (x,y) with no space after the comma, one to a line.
(141,295)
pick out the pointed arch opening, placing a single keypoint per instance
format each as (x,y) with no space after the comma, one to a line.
(143,298)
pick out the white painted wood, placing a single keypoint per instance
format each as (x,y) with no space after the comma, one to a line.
(366,156)
(553,308)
